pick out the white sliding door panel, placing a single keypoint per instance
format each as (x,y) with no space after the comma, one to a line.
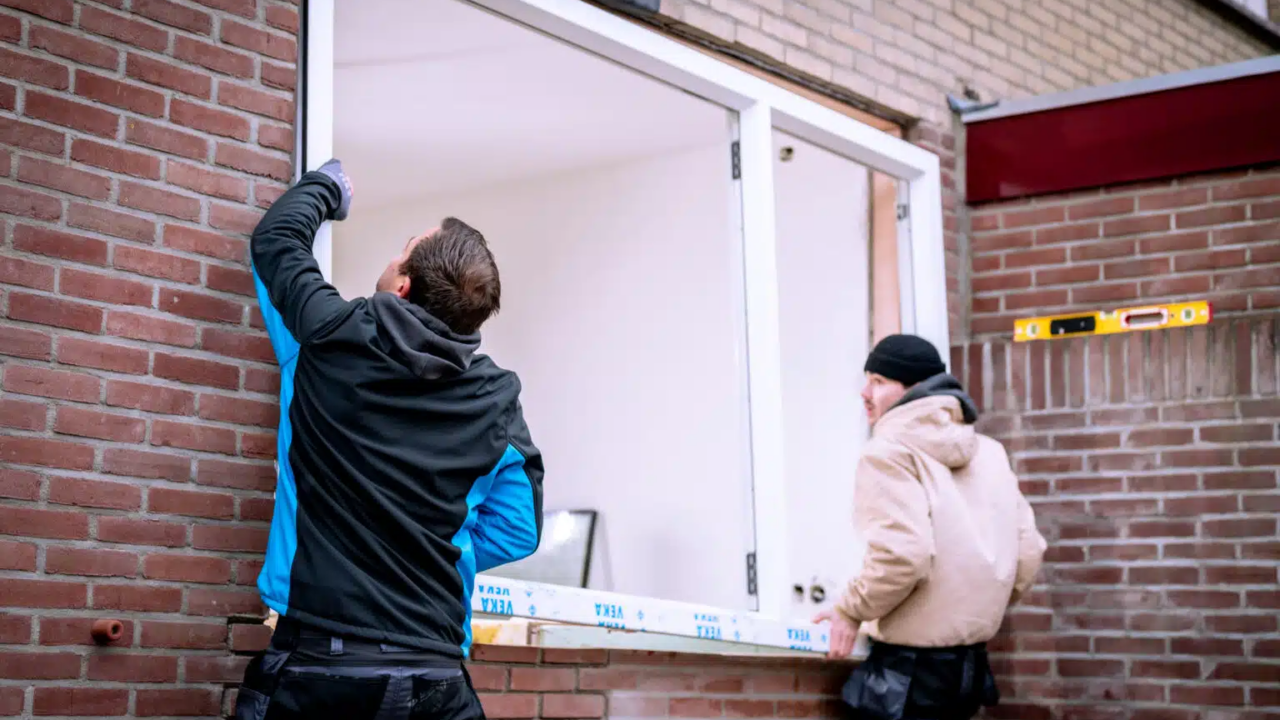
(823,219)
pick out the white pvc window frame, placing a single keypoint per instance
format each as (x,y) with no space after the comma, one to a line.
(761,107)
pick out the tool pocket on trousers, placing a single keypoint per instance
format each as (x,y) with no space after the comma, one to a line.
(939,687)
(260,680)
(878,692)
(450,698)
(250,705)
(319,695)
(990,696)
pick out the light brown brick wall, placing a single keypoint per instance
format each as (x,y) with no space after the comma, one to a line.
(908,53)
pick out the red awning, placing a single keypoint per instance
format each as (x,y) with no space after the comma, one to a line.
(1144,130)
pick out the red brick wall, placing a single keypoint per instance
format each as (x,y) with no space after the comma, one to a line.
(1151,458)
(525,683)
(138,408)
(1214,237)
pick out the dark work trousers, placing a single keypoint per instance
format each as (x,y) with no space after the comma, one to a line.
(896,682)
(308,673)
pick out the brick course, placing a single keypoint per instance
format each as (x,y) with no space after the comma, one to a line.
(552,683)
(1214,237)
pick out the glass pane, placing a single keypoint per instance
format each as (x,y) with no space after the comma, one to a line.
(607,199)
(565,554)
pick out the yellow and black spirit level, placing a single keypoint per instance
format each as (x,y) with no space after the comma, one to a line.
(1109,322)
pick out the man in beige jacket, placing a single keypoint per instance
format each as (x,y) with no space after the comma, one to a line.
(951,544)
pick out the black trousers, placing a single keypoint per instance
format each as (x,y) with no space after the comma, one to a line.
(312,674)
(896,682)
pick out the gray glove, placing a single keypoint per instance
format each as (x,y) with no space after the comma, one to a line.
(333,169)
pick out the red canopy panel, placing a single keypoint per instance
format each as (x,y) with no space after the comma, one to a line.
(1197,128)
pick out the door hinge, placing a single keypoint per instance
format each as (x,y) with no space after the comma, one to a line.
(735,159)
(751,573)
(903,210)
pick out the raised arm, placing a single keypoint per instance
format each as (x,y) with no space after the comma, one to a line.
(509,519)
(294,296)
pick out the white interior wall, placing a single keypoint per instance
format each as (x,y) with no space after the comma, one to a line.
(622,314)
(435,96)
(824,309)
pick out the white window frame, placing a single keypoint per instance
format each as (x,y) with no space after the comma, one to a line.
(761,106)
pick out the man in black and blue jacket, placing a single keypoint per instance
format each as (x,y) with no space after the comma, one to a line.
(404,468)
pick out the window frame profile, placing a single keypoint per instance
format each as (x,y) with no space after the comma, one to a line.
(762,106)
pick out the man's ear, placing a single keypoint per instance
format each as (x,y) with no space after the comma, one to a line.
(402,287)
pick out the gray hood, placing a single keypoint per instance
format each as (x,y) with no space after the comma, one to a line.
(943,384)
(422,343)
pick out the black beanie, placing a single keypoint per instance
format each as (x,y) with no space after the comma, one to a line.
(909,359)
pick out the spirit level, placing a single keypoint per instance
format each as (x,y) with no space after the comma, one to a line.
(1109,322)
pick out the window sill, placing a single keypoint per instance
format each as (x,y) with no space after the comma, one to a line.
(494,630)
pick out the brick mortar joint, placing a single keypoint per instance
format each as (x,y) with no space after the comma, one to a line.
(169,95)
(166,159)
(115,242)
(174,33)
(185,353)
(121,75)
